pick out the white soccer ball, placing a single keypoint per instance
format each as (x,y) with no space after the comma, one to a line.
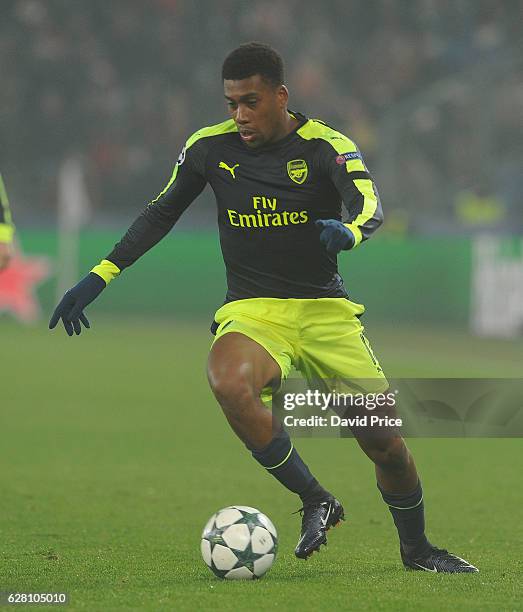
(239,543)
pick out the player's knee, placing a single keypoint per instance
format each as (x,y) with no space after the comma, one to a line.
(233,391)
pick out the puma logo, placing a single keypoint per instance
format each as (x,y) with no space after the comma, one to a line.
(228,168)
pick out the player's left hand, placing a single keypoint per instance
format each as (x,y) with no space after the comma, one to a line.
(335,236)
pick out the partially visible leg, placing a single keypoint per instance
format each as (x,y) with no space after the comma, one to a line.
(395,468)
(400,488)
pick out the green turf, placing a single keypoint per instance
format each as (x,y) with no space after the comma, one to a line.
(113,455)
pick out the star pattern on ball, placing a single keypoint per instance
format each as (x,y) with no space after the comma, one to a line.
(239,542)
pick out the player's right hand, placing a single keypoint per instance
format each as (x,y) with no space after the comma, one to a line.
(70,308)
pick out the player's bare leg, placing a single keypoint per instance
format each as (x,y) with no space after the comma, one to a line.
(401,490)
(395,469)
(238,370)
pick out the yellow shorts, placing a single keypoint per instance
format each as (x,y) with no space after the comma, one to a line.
(322,338)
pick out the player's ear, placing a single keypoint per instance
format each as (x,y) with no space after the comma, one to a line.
(283,96)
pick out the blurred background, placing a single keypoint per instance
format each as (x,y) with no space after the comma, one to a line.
(97,99)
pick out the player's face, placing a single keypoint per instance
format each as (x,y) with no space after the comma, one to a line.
(258,108)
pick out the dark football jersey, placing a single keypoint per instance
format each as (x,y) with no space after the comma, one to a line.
(268,199)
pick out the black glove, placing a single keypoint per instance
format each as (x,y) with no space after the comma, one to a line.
(70,308)
(335,236)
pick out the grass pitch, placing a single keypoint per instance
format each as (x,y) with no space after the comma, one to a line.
(113,455)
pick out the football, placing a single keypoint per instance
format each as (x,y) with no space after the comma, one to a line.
(239,543)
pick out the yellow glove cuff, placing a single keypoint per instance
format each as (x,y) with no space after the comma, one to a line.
(356,231)
(106,270)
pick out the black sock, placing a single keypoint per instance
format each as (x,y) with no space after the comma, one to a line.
(407,510)
(281,459)
(314,493)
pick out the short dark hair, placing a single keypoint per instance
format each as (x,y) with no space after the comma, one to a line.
(254,58)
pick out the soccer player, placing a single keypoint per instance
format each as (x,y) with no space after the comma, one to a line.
(6,227)
(280,180)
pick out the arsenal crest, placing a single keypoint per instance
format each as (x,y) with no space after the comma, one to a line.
(297,170)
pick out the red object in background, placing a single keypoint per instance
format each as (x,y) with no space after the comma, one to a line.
(18,283)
